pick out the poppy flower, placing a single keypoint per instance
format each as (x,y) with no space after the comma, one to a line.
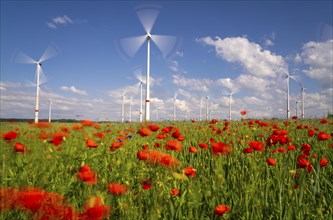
(203,145)
(87,122)
(305,148)
(142,155)
(100,135)
(244,112)
(303,163)
(116,188)
(221,148)
(190,171)
(323,121)
(94,209)
(86,175)
(19,147)
(271,162)
(291,147)
(30,199)
(161,136)
(9,136)
(146,184)
(193,150)
(175,192)
(56,141)
(282,150)
(311,133)
(115,145)
(91,143)
(154,127)
(294,117)
(247,150)
(323,162)
(256,145)
(144,131)
(221,209)
(322,136)
(173,145)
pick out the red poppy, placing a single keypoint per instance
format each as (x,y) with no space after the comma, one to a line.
(203,145)
(244,112)
(256,145)
(303,163)
(161,136)
(323,121)
(282,150)
(153,127)
(322,136)
(19,147)
(142,155)
(193,149)
(91,143)
(144,131)
(116,188)
(193,121)
(221,148)
(146,184)
(87,175)
(11,135)
(323,162)
(291,147)
(271,162)
(173,145)
(175,192)
(94,209)
(100,135)
(221,209)
(30,199)
(115,145)
(190,171)
(56,141)
(87,122)
(311,133)
(305,148)
(247,150)
(294,117)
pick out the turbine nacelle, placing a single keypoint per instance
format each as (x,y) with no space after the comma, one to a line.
(148,36)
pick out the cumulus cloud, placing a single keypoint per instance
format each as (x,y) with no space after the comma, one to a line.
(60,20)
(192,83)
(251,56)
(319,57)
(74,90)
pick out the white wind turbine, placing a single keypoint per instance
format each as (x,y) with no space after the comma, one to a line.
(200,109)
(123,107)
(138,75)
(206,108)
(287,76)
(130,109)
(302,93)
(166,44)
(229,94)
(174,106)
(50,105)
(23,58)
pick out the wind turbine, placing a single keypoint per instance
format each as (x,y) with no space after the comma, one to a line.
(302,93)
(297,108)
(287,76)
(123,107)
(206,108)
(23,58)
(130,110)
(166,44)
(50,105)
(138,75)
(229,94)
(200,109)
(174,107)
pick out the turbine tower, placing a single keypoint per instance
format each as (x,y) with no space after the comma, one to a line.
(302,94)
(206,108)
(166,44)
(21,57)
(50,105)
(200,110)
(138,75)
(123,108)
(174,107)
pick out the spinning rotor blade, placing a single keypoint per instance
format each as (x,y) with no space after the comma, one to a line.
(48,53)
(167,44)
(147,16)
(131,45)
(20,57)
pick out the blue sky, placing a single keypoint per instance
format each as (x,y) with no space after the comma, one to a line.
(220,46)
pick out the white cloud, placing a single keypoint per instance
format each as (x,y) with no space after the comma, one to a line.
(179,53)
(74,90)
(192,83)
(251,56)
(319,57)
(60,20)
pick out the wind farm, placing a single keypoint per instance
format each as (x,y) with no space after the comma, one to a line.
(166,110)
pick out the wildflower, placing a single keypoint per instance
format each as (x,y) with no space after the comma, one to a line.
(323,162)
(175,192)
(322,136)
(153,127)
(193,150)
(291,147)
(247,150)
(256,145)
(115,145)
(173,145)
(91,143)
(146,184)
(311,133)
(144,132)
(221,148)
(244,112)
(94,209)
(11,135)
(271,162)
(189,171)
(221,209)
(19,147)
(87,175)
(323,121)
(203,145)
(116,188)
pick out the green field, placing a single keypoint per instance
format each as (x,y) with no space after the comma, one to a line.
(257,169)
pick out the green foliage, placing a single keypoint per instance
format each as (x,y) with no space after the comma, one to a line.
(245,182)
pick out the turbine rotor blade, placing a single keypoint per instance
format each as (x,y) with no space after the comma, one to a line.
(138,74)
(20,57)
(48,54)
(131,45)
(147,17)
(166,44)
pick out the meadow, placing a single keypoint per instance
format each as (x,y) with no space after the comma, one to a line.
(248,169)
